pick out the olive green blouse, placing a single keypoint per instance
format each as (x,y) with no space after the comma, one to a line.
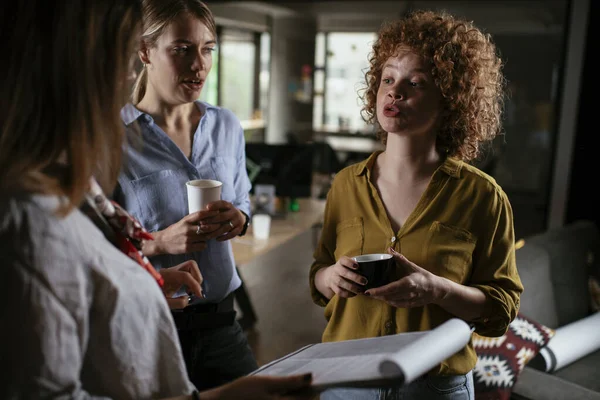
(461,229)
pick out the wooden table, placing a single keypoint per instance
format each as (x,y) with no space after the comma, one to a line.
(247,247)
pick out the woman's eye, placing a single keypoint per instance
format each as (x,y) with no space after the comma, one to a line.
(181,50)
(419,83)
(208,50)
(387,81)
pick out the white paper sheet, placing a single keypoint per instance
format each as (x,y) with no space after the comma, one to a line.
(386,360)
(417,359)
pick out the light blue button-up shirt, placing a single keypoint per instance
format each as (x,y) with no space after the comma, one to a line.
(152,185)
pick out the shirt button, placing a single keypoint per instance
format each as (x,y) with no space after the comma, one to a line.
(393,239)
(388,326)
(486,320)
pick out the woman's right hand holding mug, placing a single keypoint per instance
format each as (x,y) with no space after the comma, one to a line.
(340,278)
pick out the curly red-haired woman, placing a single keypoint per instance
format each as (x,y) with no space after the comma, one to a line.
(435,92)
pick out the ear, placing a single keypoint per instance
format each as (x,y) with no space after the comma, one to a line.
(143,54)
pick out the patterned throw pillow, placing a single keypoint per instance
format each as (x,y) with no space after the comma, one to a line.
(500,360)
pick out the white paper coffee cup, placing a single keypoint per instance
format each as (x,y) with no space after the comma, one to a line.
(201,192)
(261,226)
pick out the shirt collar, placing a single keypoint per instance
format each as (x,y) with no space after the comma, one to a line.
(450,166)
(129,113)
(367,164)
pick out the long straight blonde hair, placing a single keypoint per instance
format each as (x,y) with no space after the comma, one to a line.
(157,15)
(64,80)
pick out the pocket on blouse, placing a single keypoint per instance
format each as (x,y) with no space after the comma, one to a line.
(350,238)
(225,168)
(449,251)
(162,198)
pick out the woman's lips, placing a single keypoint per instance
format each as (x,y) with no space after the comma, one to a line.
(193,85)
(391,110)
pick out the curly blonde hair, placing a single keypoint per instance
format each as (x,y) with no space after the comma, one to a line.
(465,68)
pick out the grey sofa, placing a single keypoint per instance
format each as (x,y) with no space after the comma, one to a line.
(555,267)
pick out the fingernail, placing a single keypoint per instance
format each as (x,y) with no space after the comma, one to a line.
(367,294)
(307,377)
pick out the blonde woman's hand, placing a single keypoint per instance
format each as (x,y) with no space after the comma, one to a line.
(185,236)
(186,273)
(229,217)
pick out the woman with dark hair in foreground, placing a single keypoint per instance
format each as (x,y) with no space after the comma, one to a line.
(80,319)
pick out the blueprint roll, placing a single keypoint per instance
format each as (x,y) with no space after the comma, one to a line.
(570,343)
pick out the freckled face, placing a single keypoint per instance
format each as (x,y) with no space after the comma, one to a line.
(181,60)
(408,101)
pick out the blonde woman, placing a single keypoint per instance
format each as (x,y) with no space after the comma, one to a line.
(80,319)
(183,139)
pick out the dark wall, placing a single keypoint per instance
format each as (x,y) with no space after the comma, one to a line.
(585,177)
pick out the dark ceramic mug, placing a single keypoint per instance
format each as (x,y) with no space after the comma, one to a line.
(375,267)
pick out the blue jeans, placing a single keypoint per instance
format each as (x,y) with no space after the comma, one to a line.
(457,387)
(214,357)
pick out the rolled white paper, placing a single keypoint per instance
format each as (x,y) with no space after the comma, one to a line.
(572,342)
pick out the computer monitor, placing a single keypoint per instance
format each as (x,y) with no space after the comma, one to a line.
(289,167)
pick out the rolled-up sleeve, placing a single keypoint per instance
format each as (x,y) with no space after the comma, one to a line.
(495,270)
(324,252)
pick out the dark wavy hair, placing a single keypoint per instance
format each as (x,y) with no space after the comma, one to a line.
(62,86)
(465,67)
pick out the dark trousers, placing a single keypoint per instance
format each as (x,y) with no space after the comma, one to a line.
(216,356)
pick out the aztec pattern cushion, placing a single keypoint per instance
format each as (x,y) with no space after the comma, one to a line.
(501,359)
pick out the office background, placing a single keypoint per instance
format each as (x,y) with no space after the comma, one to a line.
(292,71)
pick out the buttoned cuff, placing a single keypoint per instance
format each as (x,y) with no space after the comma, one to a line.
(498,312)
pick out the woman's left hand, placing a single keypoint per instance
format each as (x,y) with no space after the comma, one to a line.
(228,215)
(416,288)
(184,274)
